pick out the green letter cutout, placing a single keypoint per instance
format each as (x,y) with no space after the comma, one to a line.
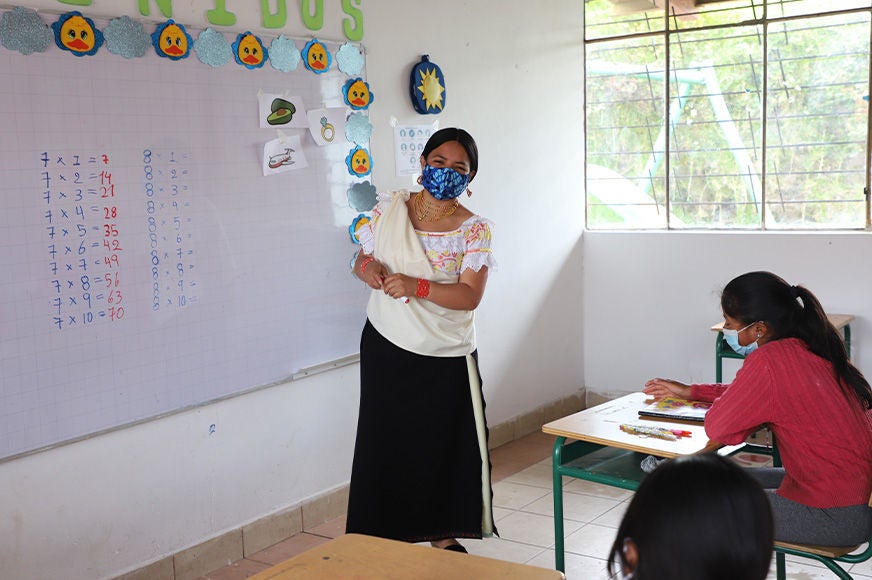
(354,33)
(276,20)
(312,21)
(165,6)
(220,15)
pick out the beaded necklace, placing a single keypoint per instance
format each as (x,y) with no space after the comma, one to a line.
(426,212)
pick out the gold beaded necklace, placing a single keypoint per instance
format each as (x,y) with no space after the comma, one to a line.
(426,212)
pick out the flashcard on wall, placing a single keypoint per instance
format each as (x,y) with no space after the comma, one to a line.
(283,154)
(409,141)
(327,125)
(281,111)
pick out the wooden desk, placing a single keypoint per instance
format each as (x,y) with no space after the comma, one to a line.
(601,452)
(842,322)
(364,557)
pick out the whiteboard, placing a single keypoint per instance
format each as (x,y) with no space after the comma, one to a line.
(148,264)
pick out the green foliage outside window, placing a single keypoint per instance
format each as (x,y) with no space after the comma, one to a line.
(734,77)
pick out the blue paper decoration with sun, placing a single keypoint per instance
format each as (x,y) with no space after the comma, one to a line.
(359,162)
(427,87)
(77,34)
(249,51)
(316,56)
(357,94)
(172,41)
(357,223)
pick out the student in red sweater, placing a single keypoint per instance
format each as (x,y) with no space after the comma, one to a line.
(797,380)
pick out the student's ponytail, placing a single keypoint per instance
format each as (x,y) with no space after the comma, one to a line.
(793,311)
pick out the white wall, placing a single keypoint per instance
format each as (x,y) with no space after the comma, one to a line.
(113,503)
(651,298)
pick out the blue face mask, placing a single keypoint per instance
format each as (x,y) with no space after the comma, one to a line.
(732,338)
(443,182)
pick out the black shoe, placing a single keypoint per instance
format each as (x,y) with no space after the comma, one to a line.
(456,548)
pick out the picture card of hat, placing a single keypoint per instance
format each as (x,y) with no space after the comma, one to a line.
(275,110)
(283,154)
(327,126)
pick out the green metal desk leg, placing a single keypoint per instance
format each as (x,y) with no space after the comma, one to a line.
(719,364)
(780,569)
(847,331)
(558,503)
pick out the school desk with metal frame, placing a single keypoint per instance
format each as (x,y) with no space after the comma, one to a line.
(599,451)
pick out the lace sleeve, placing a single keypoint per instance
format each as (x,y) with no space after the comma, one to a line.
(478,241)
(367,241)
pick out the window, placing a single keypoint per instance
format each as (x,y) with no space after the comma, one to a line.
(740,114)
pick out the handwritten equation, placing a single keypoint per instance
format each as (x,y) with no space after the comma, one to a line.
(83,241)
(170,229)
(88,237)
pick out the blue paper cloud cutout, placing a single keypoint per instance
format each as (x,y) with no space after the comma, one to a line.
(362,196)
(358,129)
(23,30)
(126,37)
(283,54)
(349,59)
(212,48)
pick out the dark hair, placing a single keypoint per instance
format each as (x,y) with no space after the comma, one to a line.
(697,517)
(454,134)
(765,297)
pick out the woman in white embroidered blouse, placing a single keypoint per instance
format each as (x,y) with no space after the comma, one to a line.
(421,468)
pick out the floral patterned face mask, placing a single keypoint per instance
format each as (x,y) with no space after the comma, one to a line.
(443,182)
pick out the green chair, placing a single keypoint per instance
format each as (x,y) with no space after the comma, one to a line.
(827,555)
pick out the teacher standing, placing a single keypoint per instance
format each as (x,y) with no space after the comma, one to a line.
(421,468)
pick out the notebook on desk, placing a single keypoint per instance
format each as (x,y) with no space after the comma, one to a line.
(676,409)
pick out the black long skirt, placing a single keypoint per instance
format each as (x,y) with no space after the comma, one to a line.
(417,473)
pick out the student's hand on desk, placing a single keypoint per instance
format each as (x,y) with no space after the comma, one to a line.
(659,388)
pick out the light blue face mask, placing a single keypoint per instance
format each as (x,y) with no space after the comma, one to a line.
(732,338)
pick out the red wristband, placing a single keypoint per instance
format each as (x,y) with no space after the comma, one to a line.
(365,263)
(423,288)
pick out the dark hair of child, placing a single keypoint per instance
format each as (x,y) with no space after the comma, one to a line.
(696,517)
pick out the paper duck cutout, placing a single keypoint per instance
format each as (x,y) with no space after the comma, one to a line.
(77,34)
(171,41)
(249,51)
(316,56)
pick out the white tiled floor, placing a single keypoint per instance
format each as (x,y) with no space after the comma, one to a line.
(523,508)
(592,513)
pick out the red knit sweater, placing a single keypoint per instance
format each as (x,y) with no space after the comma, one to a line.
(824,436)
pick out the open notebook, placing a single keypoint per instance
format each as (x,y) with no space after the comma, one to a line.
(676,409)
